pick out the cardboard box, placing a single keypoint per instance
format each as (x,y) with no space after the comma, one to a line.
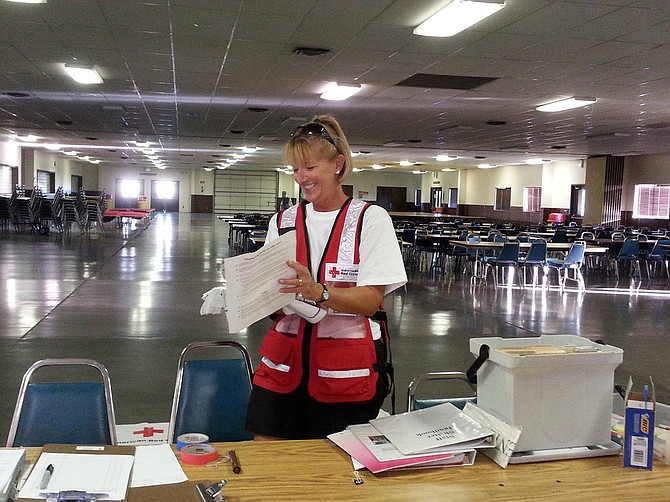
(638,444)
(557,388)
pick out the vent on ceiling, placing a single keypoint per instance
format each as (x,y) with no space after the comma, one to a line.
(310,51)
(433,81)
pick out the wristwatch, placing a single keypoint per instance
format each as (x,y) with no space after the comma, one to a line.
(325,295)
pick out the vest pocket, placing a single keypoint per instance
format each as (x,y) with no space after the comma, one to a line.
(278,371)
(342,370)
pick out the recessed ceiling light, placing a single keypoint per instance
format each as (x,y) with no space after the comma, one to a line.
(83,74)
(338,92)
(30,138)
(565,104)
(486,166)
(457,16)
(446,158)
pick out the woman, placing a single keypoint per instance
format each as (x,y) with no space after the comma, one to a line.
(315,379)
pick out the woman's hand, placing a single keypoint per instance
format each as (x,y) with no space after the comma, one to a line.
(303,284)
(364,300)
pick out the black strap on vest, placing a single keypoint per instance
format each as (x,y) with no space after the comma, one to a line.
(385,368)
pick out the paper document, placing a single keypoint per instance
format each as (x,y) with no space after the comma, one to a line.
(434,427)
(252,287)
(358,451)
(156,465)
(505,436)
(107,475)
(11,463)
(142,433)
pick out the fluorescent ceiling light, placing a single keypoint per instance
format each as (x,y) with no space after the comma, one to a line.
(378,167)
(406,163)
(538,161)
(448,169)
(339,92)
(419,172)
(457,16)
(565,104)
(445,158)
(486,166)
(357,169)
(52,147)
(28,1)
(208,168)
(83,74)
(30,138)
(250,149)
(71,153)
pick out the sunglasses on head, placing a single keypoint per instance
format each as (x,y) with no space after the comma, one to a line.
(313,129)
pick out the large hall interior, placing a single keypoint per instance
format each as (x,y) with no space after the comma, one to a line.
(172,162)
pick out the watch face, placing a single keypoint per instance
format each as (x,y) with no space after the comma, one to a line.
(326,294)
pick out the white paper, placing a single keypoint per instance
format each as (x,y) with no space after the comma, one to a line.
(434,427)
(10,463)
(505,436)
(101,473)
(156,465)
(252,287)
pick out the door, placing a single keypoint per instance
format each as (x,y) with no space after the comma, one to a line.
(392,198)
(165,196)
(126,192)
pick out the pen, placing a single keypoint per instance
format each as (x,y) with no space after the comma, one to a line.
(235,461)
(46,477)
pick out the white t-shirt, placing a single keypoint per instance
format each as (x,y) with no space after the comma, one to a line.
(381,262)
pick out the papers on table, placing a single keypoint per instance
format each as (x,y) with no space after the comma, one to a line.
(439,436)
(156,465)
(106,475)
(372,450)
(431,428)
(252,287)
(11,465)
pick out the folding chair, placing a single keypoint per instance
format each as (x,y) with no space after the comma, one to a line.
(469,377)
(63,412)
(211,395)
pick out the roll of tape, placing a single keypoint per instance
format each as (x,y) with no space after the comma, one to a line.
(191,438)
(199,454)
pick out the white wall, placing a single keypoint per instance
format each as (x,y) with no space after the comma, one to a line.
(557,181)
(202,182)
(368,181)
(64,168)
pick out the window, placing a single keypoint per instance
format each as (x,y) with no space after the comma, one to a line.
(46,180)
(652,202)
(503,199)
(417,197)
(578,201)
(532,198)
(5,179)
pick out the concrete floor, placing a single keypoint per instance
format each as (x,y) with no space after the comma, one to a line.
(130,298)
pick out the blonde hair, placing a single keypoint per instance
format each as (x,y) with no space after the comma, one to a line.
(301,148)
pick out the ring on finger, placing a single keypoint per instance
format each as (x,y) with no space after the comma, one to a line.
(299,282)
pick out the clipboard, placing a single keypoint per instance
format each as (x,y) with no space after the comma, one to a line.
(88,450)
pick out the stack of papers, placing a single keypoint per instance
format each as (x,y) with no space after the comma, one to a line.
(11,465)
(439,436)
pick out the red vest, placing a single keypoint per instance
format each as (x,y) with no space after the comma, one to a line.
(338,352)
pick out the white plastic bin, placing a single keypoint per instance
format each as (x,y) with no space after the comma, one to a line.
(560,400)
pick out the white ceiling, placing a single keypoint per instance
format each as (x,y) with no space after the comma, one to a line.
(186,75)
